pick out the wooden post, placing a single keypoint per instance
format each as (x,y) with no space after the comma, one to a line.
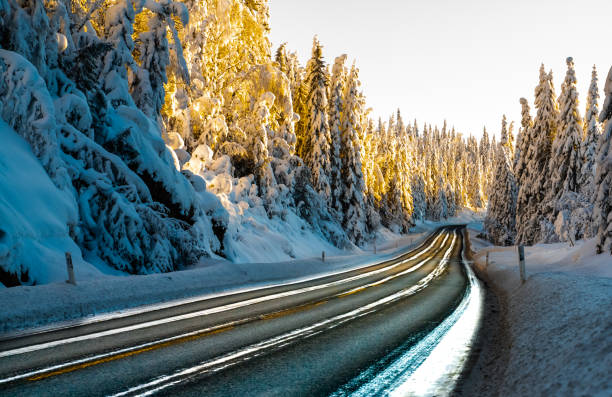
(487,259)
(322,256)
(521,254)
(70,269)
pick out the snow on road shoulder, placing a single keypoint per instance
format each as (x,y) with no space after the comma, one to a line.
(559,320)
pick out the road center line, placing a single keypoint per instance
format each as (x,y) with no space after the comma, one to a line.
(130,351)
(256,349)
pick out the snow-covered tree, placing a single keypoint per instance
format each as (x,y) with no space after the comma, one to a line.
(592,131)
(532,193)
(485,158)
(316,150)
(336,108)
(602,211)
(564,166)
(153,54)
(500,222)
(523,141)
(353,188)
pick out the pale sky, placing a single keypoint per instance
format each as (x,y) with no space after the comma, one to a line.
(467,61)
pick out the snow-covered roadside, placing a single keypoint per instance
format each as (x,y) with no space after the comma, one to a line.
(33,306)
(558,339)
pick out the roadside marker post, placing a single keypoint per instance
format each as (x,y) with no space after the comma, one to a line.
(487,259)
(70,268)
(322,256)
(521,253)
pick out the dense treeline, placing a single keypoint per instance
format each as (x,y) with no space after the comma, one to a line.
(162,121)
(555,184)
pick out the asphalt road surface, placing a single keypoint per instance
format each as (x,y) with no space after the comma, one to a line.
(307,338)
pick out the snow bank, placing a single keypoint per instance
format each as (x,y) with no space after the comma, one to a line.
(34,215)
(559,321)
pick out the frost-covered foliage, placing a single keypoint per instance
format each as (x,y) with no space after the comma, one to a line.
(64,83)
(573,220)
(336,108)
(524,140)
(500,222)
(602,212)
(592,131)
(561,166)
(534,188)
(564,166)
(315,144)
(352,182)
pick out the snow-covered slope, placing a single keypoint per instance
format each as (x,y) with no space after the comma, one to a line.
(35,216)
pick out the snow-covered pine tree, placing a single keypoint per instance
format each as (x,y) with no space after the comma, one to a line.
(592,131)
(602,211)
(392,213)
(281,58)
(336,108)
(316,150)
(500,222)
(485,156)
(406,160)
(153,55)
(522,143)
(532,193)
(511,141)
(472,173)
(373,177)
(504,137)
(353,190)
(564,166)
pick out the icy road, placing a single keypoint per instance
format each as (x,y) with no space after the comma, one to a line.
(404,326)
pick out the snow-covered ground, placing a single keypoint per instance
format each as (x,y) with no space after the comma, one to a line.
(558,340)
(33,233)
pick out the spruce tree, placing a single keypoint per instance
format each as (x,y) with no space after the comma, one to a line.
(353,192)
(485,151)
(532,193)
(592,131)
(282,59)
(522,143)
(602,212)
(511,141)
(315,148)
(564,166)
(500,222)
(336,107)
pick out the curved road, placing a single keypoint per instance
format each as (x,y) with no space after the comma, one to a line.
(328,335)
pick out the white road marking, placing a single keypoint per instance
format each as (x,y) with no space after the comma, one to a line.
(251,351)
(98,318)
(433,365)
(214,310)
